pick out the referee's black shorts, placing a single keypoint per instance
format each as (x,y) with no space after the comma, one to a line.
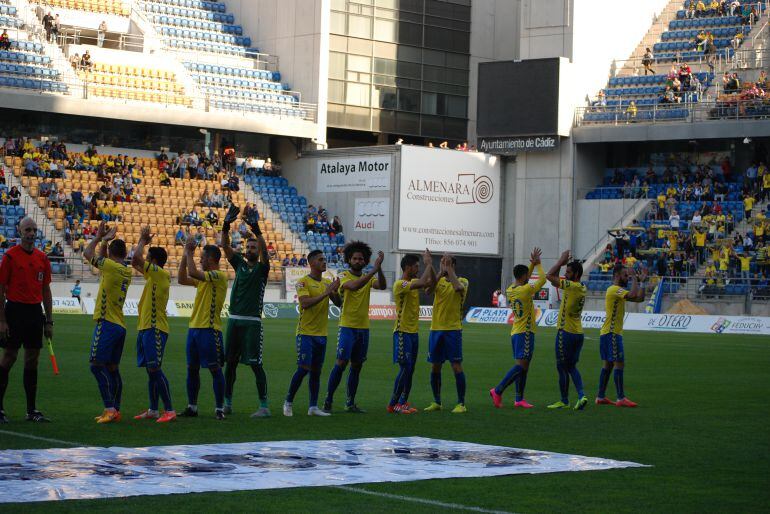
(25,324)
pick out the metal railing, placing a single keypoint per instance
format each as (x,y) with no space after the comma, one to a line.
(723,109)
(602,241)
(715,289)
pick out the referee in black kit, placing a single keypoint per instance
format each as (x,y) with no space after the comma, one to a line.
(25,283)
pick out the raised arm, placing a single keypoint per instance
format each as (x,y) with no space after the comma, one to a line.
(192,270)
(309,301)
(381,284)
(534,263)
(137,261)
(426,280)
(553,274)
(182,277)
(451,275)
(637,292)
(102,234)
(355,285)
(232,215)
(264,256)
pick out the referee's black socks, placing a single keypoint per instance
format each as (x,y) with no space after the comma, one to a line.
(3,384)
(30,387)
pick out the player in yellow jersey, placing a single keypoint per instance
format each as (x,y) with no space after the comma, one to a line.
(204,337)
(110,332)
(520,297)
(152,330)
(611,334)
(445,342)
(313,294)
(406,294)
(353,335)
(569,338)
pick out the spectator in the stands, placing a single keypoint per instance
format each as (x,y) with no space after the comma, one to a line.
(44,189)
(232,182)
(647,61)
(200,171)
(193,218)
(271,250)
(750,177)
(735,5)
(212,218)
(700,9)
(310,224)
(217,199)
(47,23)
(56,253)
(631,111)
(250,213)
(86,64)
(294,260)
(181,238)
(302,261)
(5,41)
(286,262)
(674,220)
(164,178)
(101,33)
(55,28)
(236,238)
(205,198)
(15,195)
(336,225)
(115,211)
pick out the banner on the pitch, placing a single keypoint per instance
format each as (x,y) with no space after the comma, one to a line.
(702,324)
(64,305)
(89,473)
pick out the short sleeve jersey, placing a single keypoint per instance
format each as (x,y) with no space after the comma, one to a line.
(615,307)
(407,306)
(355,304)
(571,307)
(113,286)
(248,290)
(24,274)
(313,321)
(209,299)
(520,298)
(152,305)
(448,305)
(745,263)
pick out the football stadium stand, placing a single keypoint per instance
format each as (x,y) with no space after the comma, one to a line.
(130,195)
(703,221)
(183,53)
(678,71)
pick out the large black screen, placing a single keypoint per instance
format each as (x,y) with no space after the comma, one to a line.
(518,98)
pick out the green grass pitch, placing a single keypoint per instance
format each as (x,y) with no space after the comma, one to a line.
(702,423)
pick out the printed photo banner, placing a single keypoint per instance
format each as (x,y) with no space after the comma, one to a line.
(89,473)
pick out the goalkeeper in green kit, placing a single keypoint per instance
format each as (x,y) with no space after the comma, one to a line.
(243,341)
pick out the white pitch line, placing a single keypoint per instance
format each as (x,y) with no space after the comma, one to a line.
(412,499)
(39,438)
(433,503)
